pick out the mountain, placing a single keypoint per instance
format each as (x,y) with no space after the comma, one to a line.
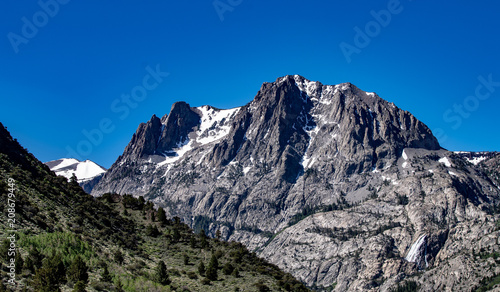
(66,238)
(87,172)
(335,185)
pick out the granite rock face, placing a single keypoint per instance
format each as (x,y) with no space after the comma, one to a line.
(335,185)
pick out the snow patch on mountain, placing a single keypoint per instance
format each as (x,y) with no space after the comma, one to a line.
(306,86)
(476,160)
(215,123)
(177,153)
(404,155)
(445,161)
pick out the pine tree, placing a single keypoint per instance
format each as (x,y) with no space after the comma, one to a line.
(55,264)
(214,261)
(203,239)
(73,180)
(45,280)
(201,268)
(161,275)
(119,286)
(19,262)
(176,235)
(186,259)
(118,256)
(141,202)
(192,242)
(227,269)
(218,234)
(105,275)
(211,272)
(78,270)
(162,217)
(236,273)
(50,275)
(4,249)
(33,260)
(152,230)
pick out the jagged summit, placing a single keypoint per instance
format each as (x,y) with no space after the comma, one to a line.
(258,172)
(292,125)
(286,124)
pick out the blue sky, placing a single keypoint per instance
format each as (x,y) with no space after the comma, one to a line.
(65,66)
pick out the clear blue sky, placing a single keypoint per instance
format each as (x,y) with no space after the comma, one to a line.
(64,69)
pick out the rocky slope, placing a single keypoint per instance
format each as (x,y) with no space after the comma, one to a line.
(333,184)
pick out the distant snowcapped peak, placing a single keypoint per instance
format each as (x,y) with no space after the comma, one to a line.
(83,170)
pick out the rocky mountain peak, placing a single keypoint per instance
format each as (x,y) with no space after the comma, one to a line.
(259,172)
(177,126)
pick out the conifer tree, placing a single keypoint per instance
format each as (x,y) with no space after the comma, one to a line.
(211,272)
(162,217)
(203,239)
(55,264)
(19,262)
(176,235)
(119,286)
(45,280)
(161,275)
(4,249)
(50,275)
(34,260)
(105,275)
(201,268)
(236,273)
(152,230)
(78,270)
(118,256)
(227,269)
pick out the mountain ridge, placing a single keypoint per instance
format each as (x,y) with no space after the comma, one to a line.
(301,155)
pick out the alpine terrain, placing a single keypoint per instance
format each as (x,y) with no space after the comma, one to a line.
(87,172)
(333,184)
